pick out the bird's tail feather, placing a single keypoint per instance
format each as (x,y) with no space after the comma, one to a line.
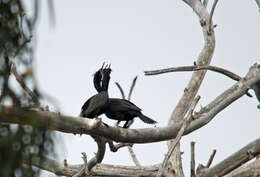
(146,119)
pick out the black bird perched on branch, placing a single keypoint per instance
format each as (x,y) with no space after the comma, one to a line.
(96,104)
(121,109)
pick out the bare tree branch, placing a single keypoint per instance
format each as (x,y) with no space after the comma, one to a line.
(131,88)
(58,168)
(134,158)
(186,122)
(247,170)
(211,15)
(67,124)
(193,86)
(101,142)
(87,166)
(120,89)
(84,169)
(234,161)
(130,148)
(196,68)
(211,158)
(223,100)
(192,162)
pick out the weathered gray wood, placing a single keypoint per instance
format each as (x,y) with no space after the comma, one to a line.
(67,124)
(204,58)
(234,161)
(99,170)
(247,170)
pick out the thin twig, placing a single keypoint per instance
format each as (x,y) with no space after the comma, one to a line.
(131,88)
(187,121)
(130,149)
(83,170)
(134,158)
(120,89)
(219,70)
(211,15)
(84,157)
(99,156)
(211,158)
(192,162)
(196,68)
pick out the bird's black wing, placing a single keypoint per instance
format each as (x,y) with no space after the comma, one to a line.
(97,101)
(121,105)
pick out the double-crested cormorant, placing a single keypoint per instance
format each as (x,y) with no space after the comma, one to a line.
(96,104)
(121,109)
(124,110)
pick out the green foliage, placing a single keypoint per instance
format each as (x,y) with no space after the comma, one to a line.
(18,144)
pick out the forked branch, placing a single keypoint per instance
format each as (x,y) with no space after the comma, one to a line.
(204,58)
(186,122)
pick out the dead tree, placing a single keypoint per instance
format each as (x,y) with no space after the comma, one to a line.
(183,121)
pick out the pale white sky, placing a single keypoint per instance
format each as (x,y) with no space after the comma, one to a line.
(143,35)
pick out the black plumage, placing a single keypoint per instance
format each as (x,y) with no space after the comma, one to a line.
(121,109)
(96,104)
(124,110)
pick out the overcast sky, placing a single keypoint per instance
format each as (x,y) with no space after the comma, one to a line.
(144,35)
